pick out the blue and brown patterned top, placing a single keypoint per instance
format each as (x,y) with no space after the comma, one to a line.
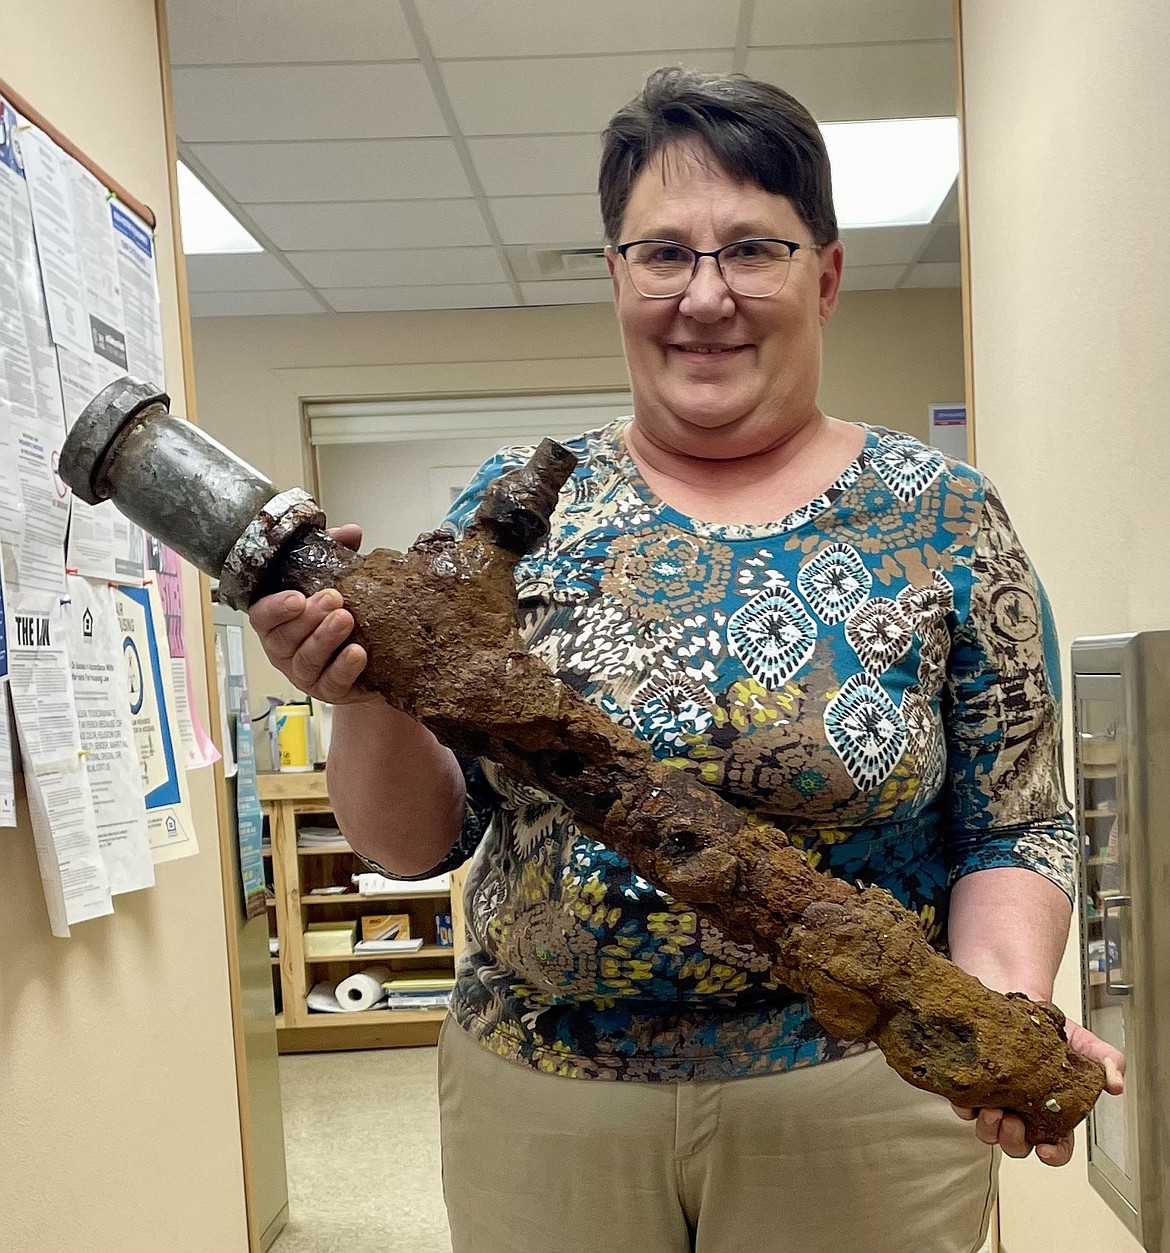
(876,675)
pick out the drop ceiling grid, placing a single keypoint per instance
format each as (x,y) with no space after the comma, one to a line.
(471,126)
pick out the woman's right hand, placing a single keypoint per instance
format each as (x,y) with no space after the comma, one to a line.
(301,637)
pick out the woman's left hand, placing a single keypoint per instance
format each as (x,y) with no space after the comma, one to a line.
(994,1126)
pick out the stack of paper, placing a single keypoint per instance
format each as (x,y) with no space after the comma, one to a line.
(420,991)
(388,946)
(318,837)
(431,1000)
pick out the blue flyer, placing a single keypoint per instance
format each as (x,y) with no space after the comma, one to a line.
(249,815)
(148,700)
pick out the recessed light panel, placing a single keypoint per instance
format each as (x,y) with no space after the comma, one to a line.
(207,226)
(894,172)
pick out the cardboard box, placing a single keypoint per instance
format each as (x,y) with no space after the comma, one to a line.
(385,926)
(330,939)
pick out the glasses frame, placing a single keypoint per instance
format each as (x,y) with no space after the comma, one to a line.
(698,255)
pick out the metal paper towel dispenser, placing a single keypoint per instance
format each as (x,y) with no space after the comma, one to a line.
(1121,702)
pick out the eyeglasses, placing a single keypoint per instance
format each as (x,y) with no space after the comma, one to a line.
(661,268)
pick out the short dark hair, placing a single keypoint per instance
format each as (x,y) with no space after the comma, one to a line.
(757,133)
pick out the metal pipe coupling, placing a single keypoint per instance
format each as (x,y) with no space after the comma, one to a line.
(184,487)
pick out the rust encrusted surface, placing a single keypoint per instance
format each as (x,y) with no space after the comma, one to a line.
(440,625)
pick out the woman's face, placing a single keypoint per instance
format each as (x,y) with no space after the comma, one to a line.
(760,384)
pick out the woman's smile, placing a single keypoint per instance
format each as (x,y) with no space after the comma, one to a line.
(709,352)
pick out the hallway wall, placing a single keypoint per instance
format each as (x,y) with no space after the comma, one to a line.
(1067,104)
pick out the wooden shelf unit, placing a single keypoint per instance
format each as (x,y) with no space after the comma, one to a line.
(288,800)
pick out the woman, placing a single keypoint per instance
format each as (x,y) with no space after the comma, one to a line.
(832,625)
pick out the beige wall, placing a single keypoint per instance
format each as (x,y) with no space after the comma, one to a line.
(119,1130)
(1067,104)
(887,356)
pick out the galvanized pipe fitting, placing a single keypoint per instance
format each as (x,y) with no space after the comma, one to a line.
(184,487)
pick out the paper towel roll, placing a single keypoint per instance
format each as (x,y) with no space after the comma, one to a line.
(362,990)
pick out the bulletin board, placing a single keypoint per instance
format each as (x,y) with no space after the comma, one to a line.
(95,701)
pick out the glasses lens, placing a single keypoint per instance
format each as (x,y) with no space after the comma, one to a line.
(659,268)
(755,267)
(750,267)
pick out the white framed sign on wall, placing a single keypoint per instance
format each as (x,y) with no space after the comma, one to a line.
(948,430)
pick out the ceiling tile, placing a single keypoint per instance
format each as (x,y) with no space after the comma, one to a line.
(871,277)
(304,102)
(548,219)
(519,28)
(944,246)
(241,303)
(366,169)
(401,267)
(553,94)
(940,274)
(378,299)
(852,84)
(883,245)
(237,272)
(372,224)
(587,291)
(846,21)
(229,32)
(538,165)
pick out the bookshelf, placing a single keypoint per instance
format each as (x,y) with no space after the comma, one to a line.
(293,801)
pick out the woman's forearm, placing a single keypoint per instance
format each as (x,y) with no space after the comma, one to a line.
(1009,927)
(396,792)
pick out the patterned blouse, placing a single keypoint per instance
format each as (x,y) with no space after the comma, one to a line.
(876,675)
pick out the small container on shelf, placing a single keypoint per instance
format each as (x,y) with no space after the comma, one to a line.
(292,738)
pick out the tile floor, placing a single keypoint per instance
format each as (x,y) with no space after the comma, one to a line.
(361,1137)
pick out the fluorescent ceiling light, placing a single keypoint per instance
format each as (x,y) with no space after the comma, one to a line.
(892,173)
(207,226)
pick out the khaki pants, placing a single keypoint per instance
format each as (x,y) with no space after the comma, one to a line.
(839,1158)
